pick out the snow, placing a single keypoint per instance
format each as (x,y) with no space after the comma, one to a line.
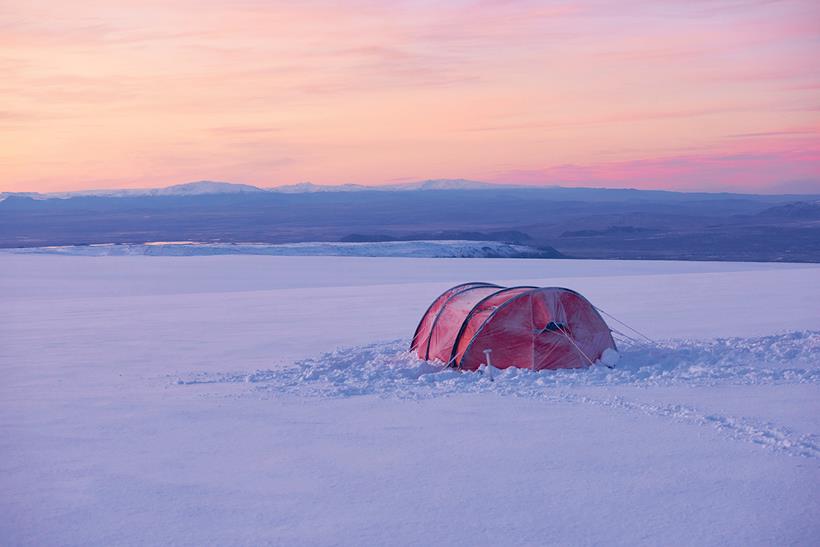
(252,400)
(198,188)
(309,188)
(426,249)
(204,187)
(211,187)
(610,358)
(447,184)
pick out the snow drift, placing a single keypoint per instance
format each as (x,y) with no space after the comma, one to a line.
(390,370)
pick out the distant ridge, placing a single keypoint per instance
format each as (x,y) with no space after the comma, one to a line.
(198,188)
(309,188)
(205,187)
(446,184)
(808,210)
(579,222)
(431,184)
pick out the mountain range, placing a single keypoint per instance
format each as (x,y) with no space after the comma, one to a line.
(577,222)
(204,187)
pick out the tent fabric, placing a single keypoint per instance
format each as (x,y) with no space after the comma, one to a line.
(428,320)
(525,327)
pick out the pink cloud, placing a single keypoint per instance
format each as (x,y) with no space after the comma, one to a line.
(753,170)
(145,92)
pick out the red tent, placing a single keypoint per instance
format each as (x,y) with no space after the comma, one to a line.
(525,327)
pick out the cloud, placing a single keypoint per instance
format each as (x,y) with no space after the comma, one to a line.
(638,116)
(781,133)
(760,170)
(372,90)
(244,130)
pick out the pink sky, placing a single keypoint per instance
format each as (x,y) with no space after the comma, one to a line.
(696,95)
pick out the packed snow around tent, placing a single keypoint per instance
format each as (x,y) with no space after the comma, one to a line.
(240,400)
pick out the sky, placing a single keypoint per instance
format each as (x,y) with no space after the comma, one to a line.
(696,95)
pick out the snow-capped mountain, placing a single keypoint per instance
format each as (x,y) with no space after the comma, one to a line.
(198,188)
(431,184)
(205,187)
(212,187)
(445,184)
(309,188)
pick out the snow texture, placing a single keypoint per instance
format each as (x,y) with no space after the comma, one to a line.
(391,370)
(270,400)
(409,249)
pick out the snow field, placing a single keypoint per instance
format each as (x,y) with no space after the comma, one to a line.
(238,400)
(407,249)
(390,370)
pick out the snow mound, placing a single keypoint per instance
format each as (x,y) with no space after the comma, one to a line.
(390,370)
(408,249)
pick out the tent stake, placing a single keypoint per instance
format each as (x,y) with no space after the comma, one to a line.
(487,353)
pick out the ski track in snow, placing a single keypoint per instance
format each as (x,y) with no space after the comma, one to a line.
(766,434)
(390,370)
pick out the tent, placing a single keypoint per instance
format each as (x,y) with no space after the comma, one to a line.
(525,327)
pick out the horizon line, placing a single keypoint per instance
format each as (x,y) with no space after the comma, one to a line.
(810,190)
